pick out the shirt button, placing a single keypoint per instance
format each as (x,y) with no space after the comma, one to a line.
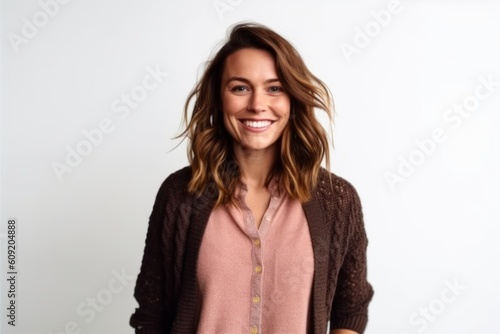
(258,269)
(256,299)
(256,242)
(254,330)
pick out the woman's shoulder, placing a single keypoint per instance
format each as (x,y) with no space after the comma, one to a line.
(182,175)
(337,195)
(176,182)
(338,199)
(334,186)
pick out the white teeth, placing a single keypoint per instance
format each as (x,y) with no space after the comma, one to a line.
(257,124)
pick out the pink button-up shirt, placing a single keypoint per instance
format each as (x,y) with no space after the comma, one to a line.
(256,280)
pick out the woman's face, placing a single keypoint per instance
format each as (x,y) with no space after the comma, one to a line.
(255,108)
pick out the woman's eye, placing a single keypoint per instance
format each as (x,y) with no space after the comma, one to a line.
(276,89)
(239,89)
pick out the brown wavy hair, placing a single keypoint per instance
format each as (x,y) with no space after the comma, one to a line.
(304,143)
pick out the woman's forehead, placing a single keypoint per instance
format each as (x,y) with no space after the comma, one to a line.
(250,63)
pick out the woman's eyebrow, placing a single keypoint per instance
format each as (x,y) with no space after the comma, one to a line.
(248,81)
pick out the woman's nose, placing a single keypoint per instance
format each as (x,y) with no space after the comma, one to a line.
(256,102)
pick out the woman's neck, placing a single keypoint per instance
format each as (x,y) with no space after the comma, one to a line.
(255,165)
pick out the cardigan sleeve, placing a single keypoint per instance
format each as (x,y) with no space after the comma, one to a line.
(353,292)
(154,282)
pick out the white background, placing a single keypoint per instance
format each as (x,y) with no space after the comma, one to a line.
(436,226)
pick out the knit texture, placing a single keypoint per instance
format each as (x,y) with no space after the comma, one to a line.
(166,288)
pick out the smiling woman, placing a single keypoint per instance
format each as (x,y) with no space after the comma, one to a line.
(255,236)
(254,106)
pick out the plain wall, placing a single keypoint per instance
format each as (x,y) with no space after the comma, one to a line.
(416,86)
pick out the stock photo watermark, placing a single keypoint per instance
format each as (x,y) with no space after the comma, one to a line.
(221,7)
(363,37)
(31,26)
(87,310)
(453,118)
(427,314)
(121,107)
(12,271)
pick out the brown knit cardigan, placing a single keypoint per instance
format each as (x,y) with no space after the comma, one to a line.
(166,287)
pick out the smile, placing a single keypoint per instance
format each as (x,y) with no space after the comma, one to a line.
(257,124)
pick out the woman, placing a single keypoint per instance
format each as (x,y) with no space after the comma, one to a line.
(255,236)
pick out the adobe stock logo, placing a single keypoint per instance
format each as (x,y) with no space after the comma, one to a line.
(373,28)
(31,28)
(223,6)
(430,312)
(122,107)
(453,118)
(89,310)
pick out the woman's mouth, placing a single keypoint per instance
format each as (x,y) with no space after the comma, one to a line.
(257,124)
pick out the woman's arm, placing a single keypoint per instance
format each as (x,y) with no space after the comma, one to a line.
(353,291)
(154,312)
